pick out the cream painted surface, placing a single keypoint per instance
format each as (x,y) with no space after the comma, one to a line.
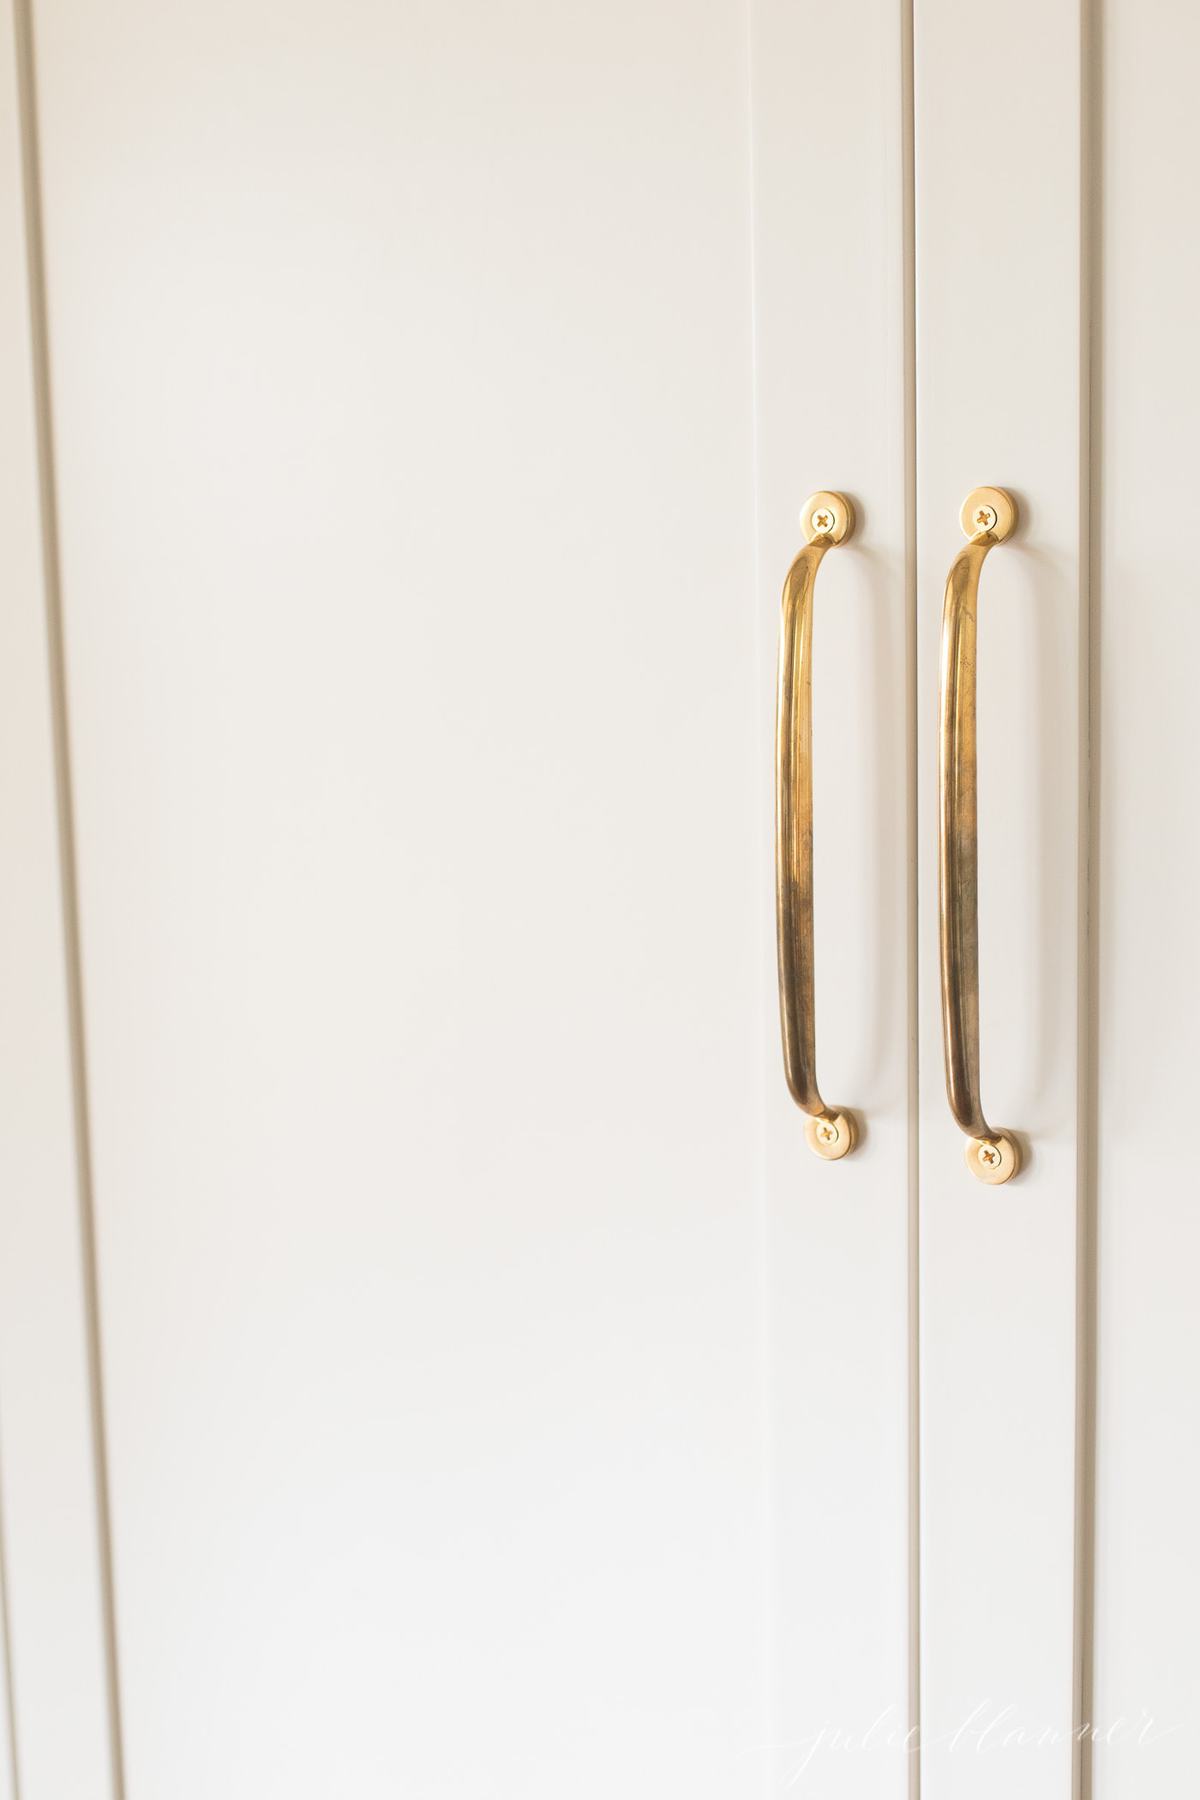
(403,389)
(1147,1680)
(830,351)
(501,1398)
(58,1742)
(999,401)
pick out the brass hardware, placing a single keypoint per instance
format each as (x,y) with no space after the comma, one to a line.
(988,517)
(827,520)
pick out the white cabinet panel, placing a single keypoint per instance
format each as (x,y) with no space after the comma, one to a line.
(1000,401)
(403,390)
(1147,1665)
(500,1397)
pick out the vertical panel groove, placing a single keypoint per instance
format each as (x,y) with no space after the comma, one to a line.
(908,210)
(1089,897)
(38,324)
(765,946)
(6,1650)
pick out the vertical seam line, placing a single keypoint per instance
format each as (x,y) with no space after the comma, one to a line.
(52,585)
(909,329)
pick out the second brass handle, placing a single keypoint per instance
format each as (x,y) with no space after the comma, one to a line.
(828,520)
(989,516)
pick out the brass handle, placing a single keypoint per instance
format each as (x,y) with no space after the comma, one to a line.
(828,520)
(988,516)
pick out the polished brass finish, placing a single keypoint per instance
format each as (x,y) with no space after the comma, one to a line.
(827,520)
(988,517)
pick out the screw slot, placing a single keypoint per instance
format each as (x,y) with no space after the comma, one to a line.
(822,521)
(827,1132)
(985,518)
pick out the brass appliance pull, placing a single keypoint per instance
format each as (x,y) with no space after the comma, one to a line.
(989,516)
(828,520)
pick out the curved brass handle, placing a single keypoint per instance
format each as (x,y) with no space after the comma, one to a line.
(988,516)
(828,520)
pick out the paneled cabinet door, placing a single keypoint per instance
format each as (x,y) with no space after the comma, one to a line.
(432,1360)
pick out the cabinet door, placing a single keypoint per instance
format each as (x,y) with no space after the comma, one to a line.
(402,779)
(1001,400)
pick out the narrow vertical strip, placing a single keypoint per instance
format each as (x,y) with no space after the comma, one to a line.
(1090,304)
(765,945)
(909,303)
(6,1651)
(39,340)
